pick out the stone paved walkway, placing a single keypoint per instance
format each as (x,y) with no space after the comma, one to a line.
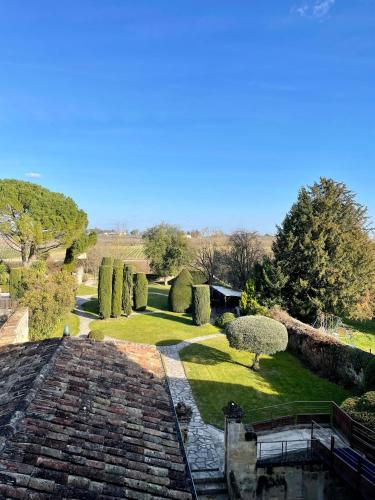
(205,446)
(85,317)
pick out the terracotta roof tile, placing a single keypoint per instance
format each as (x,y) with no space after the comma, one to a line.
(82,419)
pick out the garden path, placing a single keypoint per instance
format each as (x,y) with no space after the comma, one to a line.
(205,446)
(85,317)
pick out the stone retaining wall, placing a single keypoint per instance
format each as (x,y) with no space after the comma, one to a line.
(16,329)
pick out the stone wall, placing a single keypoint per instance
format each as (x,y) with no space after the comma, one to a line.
(325,354)
(247,481)
(16,329)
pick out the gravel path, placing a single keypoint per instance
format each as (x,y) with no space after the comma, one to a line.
(205,446)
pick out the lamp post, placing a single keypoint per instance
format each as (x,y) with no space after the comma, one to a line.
(66,332)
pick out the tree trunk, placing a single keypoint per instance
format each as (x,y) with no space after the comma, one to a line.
(255,365)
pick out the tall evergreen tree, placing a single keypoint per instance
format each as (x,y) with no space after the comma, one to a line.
(324,251)
(127,290)
(181,293)
(117,287)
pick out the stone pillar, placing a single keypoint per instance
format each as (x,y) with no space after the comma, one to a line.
(240,454)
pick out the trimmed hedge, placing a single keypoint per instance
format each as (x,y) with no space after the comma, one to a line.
(324,354)
(140,291)
(107,261)
(181,293)
(370,376)
(361,409)
(127,290)
(225,318)
(105,291)
(97,335)
(201,305)
(16,285)
(117,288)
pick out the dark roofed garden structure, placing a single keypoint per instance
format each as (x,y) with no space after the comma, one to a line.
(85,419)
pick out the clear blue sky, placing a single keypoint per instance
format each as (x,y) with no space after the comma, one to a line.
(197,112)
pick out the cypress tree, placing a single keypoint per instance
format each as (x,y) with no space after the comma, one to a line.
(105,291)
(107,261)
(324,251)
(117,287)
(201,304)
(140,291)
(16,286)
(180,294)
(127,290)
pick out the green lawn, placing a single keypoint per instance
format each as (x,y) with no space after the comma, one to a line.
(160,328)
(158,297)
(87,290)
(72,320)
(362,335)
(219,374)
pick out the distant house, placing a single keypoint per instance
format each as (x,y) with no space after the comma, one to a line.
(88,420)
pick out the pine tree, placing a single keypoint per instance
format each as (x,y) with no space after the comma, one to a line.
(324,251)
(127,290)
(117,287)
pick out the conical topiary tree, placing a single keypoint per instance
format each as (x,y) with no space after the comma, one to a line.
(127,290)
(105,291)
(181,294)
(201,305)
(117,288)
(140,291)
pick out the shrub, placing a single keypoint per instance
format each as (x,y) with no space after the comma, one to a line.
(198,277)
(257,334)
(117,288)
(224,319)
(16,284)
(369,381)
(127,290)
(362,408)
(107,261)
(181,294)
(4,273)
(105,291)
(201,304)
(49,297)
(97,335)
(249,303)
(140,291)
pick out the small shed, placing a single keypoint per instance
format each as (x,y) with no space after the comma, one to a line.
(224,298)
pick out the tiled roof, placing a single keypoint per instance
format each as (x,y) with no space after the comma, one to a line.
(87,420)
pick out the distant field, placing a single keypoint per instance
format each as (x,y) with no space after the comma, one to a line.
(126,252)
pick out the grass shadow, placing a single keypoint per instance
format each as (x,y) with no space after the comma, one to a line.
(184,319)
(206,355)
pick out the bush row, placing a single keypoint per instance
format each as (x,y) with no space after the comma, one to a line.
(325,355)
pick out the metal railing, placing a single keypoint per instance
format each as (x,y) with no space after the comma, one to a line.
(284,451)
(293,413)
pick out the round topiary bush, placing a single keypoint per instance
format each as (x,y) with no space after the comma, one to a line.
(201,305)
(181,293)
(97,335)
(369,381)
(225,318)
(140,291)
(361,409)
(257,334)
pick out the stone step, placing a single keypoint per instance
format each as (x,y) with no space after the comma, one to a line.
(211,489)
